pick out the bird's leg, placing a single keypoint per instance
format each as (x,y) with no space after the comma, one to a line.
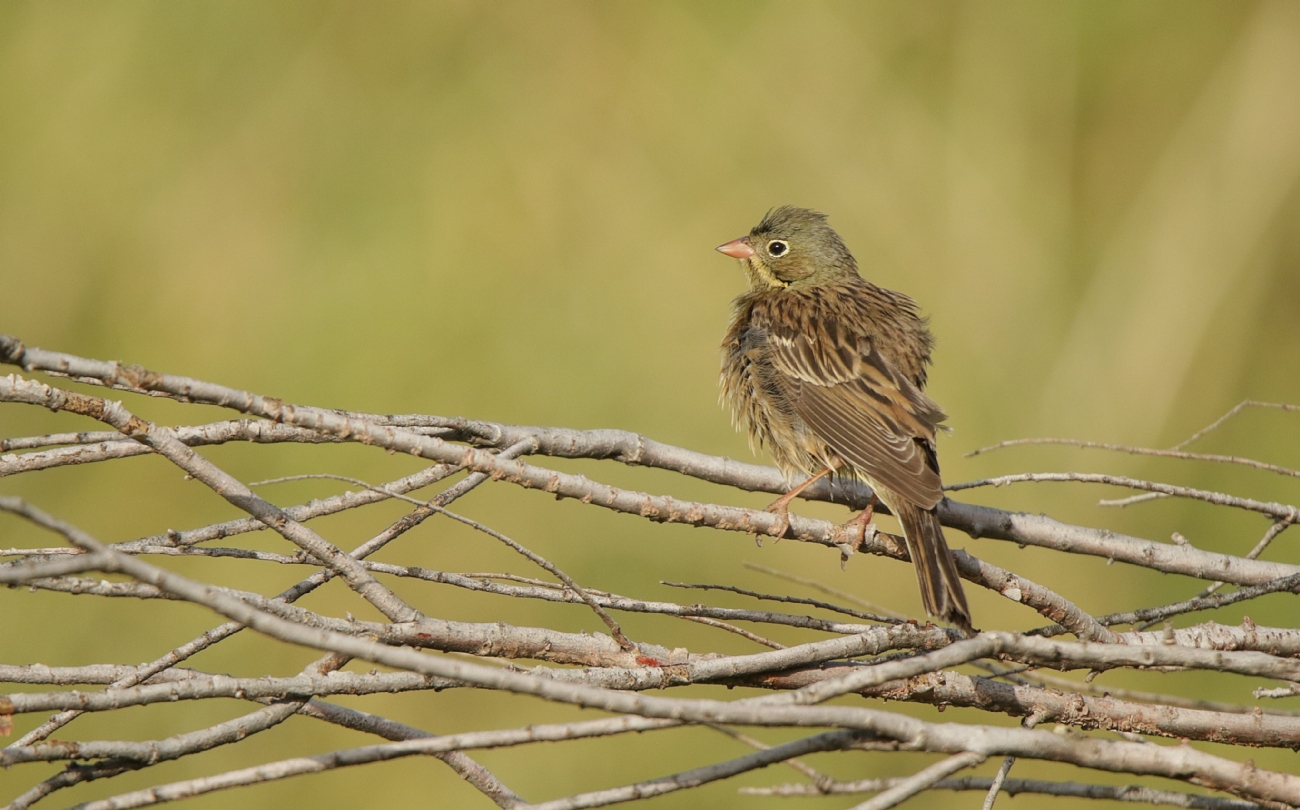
(858,526)
(781,506)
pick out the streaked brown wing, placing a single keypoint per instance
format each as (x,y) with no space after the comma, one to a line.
(858,404)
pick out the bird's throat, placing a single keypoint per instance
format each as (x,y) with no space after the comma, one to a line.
(762,277)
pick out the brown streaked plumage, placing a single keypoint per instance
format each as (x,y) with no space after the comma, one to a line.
(827,371)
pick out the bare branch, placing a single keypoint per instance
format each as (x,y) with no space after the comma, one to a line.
(731,628)
(1274,530)
(700,776)
(94,673)
(474,582)
(922,780)
(373,753)
(1015,787)
(614,629)
(978,521)
(1074,708)
(794,600)
(1248,403)
(200,688)
(999,779)
(97,446)
(1141,451)
(465,767)
(1132,499)
(1279,511)
(870,653)
(1148,616)
(824,588)
(219,634)
(1182,762)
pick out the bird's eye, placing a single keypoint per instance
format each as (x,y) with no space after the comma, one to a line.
(778,248)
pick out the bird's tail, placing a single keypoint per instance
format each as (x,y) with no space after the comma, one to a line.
(941,590)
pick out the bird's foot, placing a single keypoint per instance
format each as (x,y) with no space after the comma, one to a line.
(781,508)
(856,529)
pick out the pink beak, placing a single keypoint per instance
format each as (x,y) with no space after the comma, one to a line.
(737,248)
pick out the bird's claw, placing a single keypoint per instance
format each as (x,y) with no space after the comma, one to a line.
(782,525)
(856,529)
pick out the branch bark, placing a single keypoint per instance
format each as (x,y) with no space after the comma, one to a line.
(874,656)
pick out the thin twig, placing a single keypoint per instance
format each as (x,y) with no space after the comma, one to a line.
(1132,499)
(740,631)
(1273,531)
(998,779)
(1248,403)
(465,767)
(1146,617)
(55,439)
(1041,678)
(552,592)
(1281,692)
(793,600)
(122,757)
(614,630)
(484,739)
(1141,451)
(698,776)
(757,744)
(541,561)
(826,589)
(1004,769)
(1279,511)
(1015,787)
(920,781)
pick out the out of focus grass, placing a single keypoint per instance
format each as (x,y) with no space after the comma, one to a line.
(508,211)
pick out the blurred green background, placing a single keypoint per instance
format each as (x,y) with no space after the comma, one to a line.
(507,212)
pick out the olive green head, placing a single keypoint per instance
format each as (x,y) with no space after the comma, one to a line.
(791,246)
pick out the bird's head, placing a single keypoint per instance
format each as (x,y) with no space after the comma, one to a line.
(791,246)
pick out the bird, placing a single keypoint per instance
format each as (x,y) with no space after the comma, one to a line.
(827,372)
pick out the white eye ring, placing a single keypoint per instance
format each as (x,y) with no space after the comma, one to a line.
(778,248)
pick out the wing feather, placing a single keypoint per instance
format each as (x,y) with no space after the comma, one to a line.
(864,409)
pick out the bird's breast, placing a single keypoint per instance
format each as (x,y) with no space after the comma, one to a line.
(761,402)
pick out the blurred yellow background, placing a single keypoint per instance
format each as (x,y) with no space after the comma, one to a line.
(507,212)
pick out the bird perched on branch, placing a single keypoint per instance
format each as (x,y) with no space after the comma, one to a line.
(827,371)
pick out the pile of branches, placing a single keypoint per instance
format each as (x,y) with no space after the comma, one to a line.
(854,652)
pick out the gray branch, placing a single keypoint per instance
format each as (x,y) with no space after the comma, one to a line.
(872,655)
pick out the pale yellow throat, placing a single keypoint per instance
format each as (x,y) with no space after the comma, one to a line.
(766,274)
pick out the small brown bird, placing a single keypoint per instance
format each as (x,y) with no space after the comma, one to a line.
(827,371)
